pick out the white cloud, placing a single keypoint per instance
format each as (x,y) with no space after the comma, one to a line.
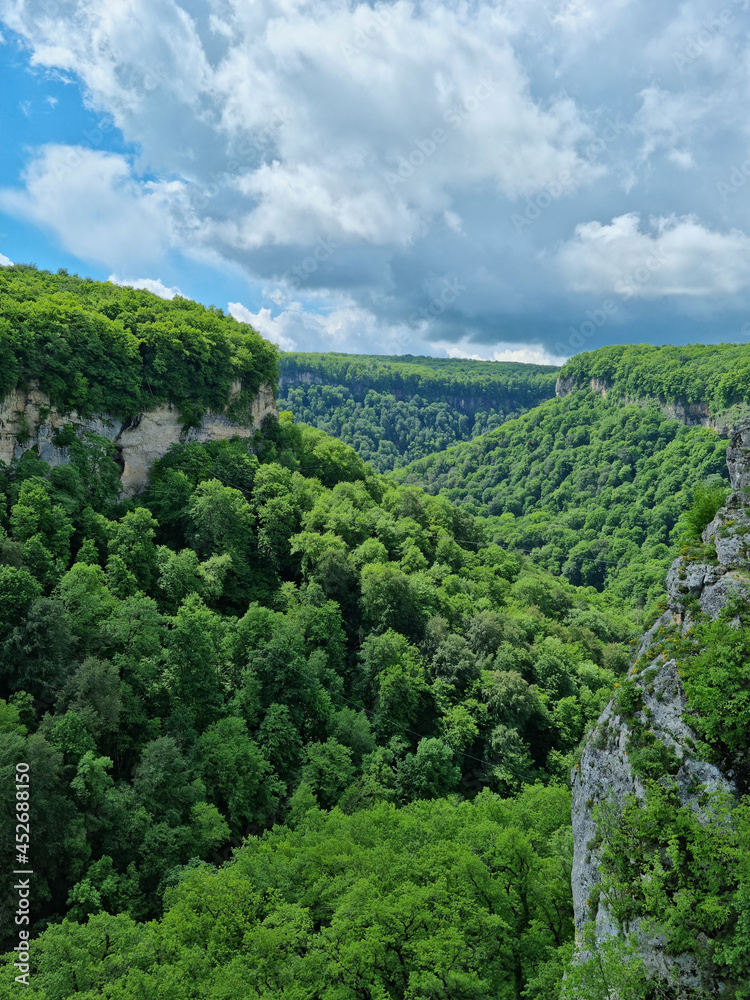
(407,133)
(666,120)
(346,328)
(681,158)
(677,257)
(5,261)
(154,285)
(263,322)
(95,206)
(525,354)
(528,356)
(302,109)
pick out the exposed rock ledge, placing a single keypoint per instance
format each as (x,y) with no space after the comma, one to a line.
(604,771)
(691,414)
(28,420)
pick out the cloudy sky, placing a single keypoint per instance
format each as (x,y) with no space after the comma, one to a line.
(521,179)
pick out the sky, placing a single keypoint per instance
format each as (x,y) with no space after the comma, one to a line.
(518,180)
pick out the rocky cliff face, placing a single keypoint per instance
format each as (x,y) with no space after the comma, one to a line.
(691,414)
(605,772)
(28,420)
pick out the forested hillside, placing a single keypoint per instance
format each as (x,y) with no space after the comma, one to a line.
(272,642)
(263,635)
(95,347)
(294,728)
(591,488)
(393,410)
(717,375)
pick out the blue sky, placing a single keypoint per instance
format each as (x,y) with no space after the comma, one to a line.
(523,179)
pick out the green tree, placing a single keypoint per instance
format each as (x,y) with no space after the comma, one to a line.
(237,776)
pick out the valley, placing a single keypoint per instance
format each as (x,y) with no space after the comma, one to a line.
(307,707)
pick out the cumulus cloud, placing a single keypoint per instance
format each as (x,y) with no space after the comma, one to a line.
(673,257)
(154,285)
(407,136)
(346,328)
(262,321)
(517,353)
(5,261)
(97,209)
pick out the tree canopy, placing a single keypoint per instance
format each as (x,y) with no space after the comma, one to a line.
(95,347)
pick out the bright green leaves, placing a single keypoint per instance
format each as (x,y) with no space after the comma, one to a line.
(440,899)
(717,684)
(98,348)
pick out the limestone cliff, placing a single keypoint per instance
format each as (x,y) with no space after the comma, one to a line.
(28,420)
(605,772)
(692,414)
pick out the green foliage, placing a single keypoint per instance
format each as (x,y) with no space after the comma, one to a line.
(394,410)
(707,499)
(715,374)
(592,488)
(94,347)
(270,631)
(715,671)
(271,705)
(697,864)
(442,899)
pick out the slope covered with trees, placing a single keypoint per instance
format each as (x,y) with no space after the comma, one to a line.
(295,728)
(393,410)
(717,374)
(592,489)
(272,630)
(95,347)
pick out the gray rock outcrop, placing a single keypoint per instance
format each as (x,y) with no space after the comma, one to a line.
(605,773)
(28,420)
(692,414)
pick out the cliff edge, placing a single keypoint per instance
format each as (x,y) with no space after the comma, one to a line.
(28,421)
(657,703)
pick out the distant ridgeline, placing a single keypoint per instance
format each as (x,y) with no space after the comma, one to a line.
(395,409)
(703,381)
(94,347)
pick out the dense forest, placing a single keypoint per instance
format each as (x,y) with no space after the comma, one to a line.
(94,347)
(297,728)
(267,634)
(393,410)
(592,489)
(718,375)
